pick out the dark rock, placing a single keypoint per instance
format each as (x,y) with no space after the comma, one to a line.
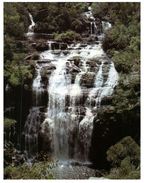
(45,136)
(63,46)
(106,100)
(87,79)
(43,61)
(92,39)
(34,56)
(41,46)
(45,71)
(55,46)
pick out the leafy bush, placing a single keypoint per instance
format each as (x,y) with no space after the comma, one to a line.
(125,158)
(68,37)
(8,123)
(39,170)
(13,26)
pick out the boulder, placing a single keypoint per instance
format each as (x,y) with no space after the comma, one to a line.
(87,79)
(41,46)
(106,100)
(63,46)
(55,46)
(45,71)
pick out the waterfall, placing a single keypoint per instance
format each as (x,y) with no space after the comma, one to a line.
(85,132)
(81,79)
(31,26)
(37,81)
(106,25)
(89,15)
(58,89)
(31,130)
(111,82)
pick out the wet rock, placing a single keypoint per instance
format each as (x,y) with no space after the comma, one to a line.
(45,134)
(83,45)
(47,70)
(43,61)
(58,46)
(34,56)
(41,46)
(92,63)
(75,60)
(55,46)
(65,52)
(106,100)
(87,79)
(63,46)
(92,39)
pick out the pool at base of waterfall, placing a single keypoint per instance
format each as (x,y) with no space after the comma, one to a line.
(74,170)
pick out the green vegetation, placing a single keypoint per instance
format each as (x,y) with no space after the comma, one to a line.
(129,93)
(68,37)
(13,26)
(125,159)
(39,170)
(122,41)
(8,123)
(16,71)
(18,74)
(122,44)
(57,17)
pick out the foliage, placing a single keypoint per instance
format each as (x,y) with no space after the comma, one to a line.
(39,170)
(13,26)
(57,17)
(122,41)
(125,158)
(68,36)
(128,91)
(17,75)
(8,123)
(9,152)
(115,12)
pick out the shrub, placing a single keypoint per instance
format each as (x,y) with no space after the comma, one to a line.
(8,123)
(125,158)
(68,37)
(39,170)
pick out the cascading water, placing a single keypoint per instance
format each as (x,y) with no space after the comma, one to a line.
(89,15)
(31,26)
(72,101)
(106,25)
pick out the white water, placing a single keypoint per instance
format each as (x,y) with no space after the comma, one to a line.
(111,82)
(37,81)
(31,26)
(89,15)
(106,26)
(60,87)
(64,104)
